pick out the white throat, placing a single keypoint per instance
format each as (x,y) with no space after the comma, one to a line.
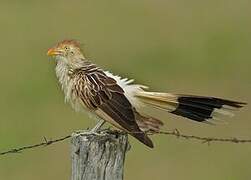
(62,73)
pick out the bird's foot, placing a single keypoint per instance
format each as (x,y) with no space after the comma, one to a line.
(87,132)
(94,131)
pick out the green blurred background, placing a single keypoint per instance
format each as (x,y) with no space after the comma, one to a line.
(196,47)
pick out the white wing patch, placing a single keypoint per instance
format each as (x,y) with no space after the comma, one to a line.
(131,90)
(122,82)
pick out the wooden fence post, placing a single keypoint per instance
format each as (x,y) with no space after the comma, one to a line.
(99,157)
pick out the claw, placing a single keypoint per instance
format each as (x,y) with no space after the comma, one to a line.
(86,133)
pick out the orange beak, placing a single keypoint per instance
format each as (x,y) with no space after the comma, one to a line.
(53,52)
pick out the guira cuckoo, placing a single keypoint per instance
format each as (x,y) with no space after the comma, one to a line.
(118,101)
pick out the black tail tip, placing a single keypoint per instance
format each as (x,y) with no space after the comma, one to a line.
(200,108)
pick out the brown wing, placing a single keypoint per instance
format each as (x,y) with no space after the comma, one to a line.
(100,92)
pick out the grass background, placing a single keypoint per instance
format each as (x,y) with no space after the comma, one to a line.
(196,47)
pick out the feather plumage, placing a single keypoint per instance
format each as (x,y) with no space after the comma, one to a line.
(122,103)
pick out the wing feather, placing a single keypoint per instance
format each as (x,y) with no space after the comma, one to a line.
(98,91)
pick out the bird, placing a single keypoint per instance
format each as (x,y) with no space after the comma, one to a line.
(123,103)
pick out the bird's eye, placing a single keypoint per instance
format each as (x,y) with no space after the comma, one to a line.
(66,48)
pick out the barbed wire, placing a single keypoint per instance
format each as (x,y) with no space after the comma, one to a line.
(44,143)
(174,132)
(208,140)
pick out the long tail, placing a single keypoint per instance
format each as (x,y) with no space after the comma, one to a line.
(197,108)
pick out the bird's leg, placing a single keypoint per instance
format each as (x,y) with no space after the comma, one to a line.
(92,131)
(100,123)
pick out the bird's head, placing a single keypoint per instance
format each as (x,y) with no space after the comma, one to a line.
(68,51)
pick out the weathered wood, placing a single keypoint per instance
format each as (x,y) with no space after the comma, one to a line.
(99,157)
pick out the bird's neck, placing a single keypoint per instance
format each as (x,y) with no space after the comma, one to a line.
(65,72)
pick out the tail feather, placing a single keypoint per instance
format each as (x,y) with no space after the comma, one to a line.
(197,108)
(148,123)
